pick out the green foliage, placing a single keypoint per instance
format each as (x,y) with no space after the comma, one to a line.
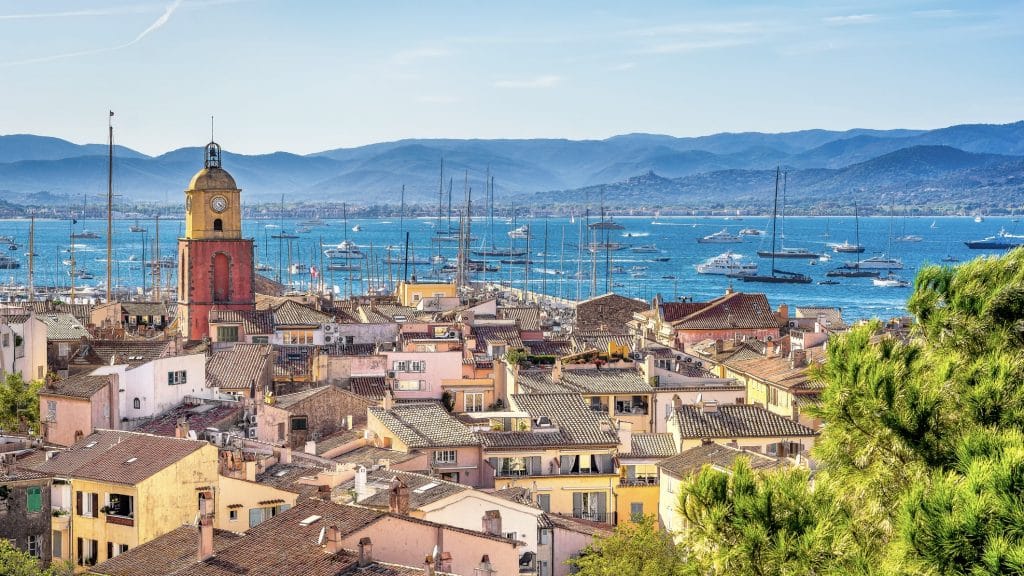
(448,400)
(14,562)
(19,404)
(640,549)
(921,460)
(515,356)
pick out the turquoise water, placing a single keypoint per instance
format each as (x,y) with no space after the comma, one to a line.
(675,237)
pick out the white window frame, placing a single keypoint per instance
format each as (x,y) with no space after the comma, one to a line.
(410,385)
(177,377)
(474,401)
(34,543)
(446,456)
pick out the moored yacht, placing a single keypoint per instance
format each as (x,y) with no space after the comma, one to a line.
(727,264)
(721,237)
(879,262)
(345,250)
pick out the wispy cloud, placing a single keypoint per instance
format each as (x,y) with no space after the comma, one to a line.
(622,67)
(156,25)
(850,19)
(112,11)
(417,54)
(545,81)
(685,46)
(438,99)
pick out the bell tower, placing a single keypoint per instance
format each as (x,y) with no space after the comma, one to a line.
(214,261)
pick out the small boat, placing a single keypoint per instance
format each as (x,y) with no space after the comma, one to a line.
(933,226)
(85,235)
(660,259)
(727,264)
(789,253)
(136,228)
(357,228)
(313,222)
(638,274)
(950,258)
(284,235)
(721,237)
(828,282)
(880,262)
(12,246)
(608,224)
(824,258)
(847,248)
(979,219)
(1003,240)
(668,277)
(8,263)
(520,233)
(261,267)
(303,230)
(751,232)
(618,269)
(851,273)
(345,250)
(602,246)
(776,276)
(497,251)
(908,238)
(298,268)
(338,267)
(645,249)
(890,281)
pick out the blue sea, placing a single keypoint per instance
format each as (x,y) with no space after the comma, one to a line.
(555,274)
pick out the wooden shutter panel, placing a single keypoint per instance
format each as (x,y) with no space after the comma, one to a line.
(78,506)
(95,505)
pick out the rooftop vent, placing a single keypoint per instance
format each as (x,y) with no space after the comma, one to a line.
(426,487)
(130,460)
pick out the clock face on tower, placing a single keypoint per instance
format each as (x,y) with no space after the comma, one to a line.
(219,204)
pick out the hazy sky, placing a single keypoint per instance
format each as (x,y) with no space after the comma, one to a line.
(308,76)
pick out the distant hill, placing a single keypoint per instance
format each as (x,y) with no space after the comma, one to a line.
(980,161)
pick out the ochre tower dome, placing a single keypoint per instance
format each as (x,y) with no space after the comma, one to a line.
(212,178)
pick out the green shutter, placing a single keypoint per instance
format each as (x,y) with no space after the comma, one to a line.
(35,499)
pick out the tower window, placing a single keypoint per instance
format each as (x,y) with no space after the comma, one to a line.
(218,225)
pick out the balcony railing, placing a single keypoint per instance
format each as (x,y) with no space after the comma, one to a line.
(120,520)
(593,516)
(639,481)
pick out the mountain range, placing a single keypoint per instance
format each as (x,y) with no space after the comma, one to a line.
(960,165)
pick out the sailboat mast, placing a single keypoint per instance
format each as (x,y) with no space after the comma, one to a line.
(110,203)
(31,257)
(775,215)
(157,279)
(71,234)
(490,210)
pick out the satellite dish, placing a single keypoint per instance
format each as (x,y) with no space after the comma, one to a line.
(196,521)
(700,398)
(192,435)
(435,552)
(320,539)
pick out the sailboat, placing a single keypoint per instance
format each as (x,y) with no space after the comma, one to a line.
(907,237)
(136,228)
(777,276)
(283,234)
(783,252)
(846,247)
(871,266)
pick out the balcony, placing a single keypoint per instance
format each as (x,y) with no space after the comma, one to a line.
(593,516)
(639,481)
(120,520)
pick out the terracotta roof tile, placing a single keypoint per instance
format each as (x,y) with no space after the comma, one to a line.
(106,456)
(736,421)
(691,461)
(81,385)
(738,310)
(167,554)
(425,425)
(236,367)
(655,445)
(253,322)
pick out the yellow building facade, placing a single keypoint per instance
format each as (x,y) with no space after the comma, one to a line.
(108,518)
(412,293)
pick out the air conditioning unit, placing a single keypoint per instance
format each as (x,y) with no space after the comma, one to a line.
(391,374)
(328,339)
(453,334)
(792,323)
(250,432)
(329,328)
(250,419)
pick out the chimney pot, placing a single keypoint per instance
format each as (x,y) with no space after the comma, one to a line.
(365,552)
(334,541)
(398,501)
(428,565)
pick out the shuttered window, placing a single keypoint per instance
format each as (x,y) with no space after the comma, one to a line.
(35,498)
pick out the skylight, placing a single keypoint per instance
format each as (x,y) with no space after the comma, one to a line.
(309,520)
(90,444)
(426,487)
(130,460)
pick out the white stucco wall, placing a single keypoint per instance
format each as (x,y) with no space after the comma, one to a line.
(468,508)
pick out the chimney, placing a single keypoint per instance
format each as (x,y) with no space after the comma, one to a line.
(798,359)
(284,455)
(365,552)
(428,566)
(709,406)
(348,422)
(445,563)
(181,428)
(606,426)
(333,538)
(492,522)
(485,566)
(625,437)
(323,492)
(719,346)
(388,402)
(398,501)
(783,313)
(310,447)
(205,526)
(360,483)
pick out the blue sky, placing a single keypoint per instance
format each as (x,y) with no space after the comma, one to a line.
(309,76)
